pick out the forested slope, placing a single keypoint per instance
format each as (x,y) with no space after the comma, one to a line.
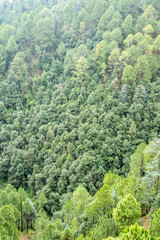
(79,91)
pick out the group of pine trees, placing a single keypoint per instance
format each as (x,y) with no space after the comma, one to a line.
(116,210)
(79,97)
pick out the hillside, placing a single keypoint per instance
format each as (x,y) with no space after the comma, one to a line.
(79,97)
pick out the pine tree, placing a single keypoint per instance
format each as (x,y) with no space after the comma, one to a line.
(12,48)
(138,163)
(140,94)
(154,228)
(127,25)
(22,197)
(129,75)
(123,93)
(152,177)
(135,232)
(127,212)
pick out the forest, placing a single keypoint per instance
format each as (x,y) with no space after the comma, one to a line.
(80,119)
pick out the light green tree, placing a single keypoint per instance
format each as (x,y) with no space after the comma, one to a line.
(42,200)
(135,232)
(80,199)
(156,43)
(143,69)
(104,228)
(51,233)
(113,59)
(127,212)
(10,214)
(3,198)
(42,222)
(82,27)
(67,235)
(138,37)
(102,204)
(81,69)
(129,40)
(129,75)
(148,29)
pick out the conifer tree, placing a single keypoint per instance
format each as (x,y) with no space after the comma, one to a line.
(154,228)
(136,232)
(127,212)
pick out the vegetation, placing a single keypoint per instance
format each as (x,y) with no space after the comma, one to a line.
(79,118)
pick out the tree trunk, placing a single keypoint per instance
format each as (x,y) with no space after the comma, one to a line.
(27,227)
(21,219)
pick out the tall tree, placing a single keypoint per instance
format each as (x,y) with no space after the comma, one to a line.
(152,176)
(127,212)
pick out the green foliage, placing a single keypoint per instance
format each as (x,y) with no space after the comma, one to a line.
(138,162)
(120,186)
(64,108)
(127,25)
(80,199)
(18,69)
(51,233)
(79,96)
(127,212)
(75,206)
(8,232)
(67,235)
(143,70)
(152,177)
(42,222)
(156,43)
(136,232)
(98,9)
(11,48)
(154,228)
(103,229)
(156,204)
(102,204)
(42,200)
(129,75)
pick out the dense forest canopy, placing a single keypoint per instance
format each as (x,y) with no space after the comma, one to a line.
(79,98)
